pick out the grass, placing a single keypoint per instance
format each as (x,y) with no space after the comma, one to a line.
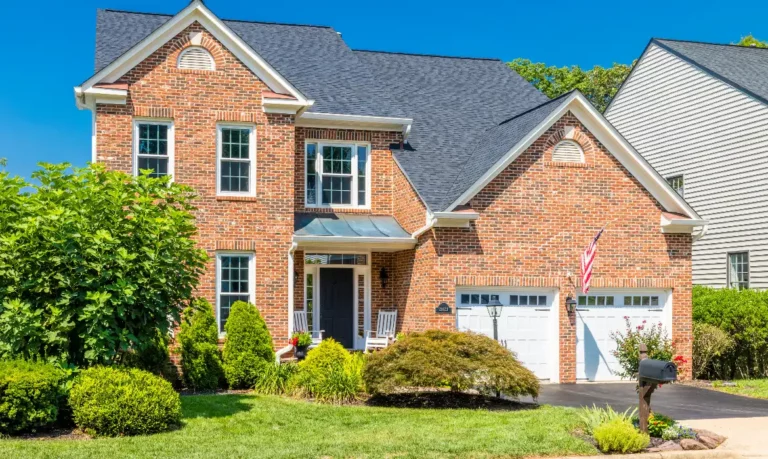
(756,388)
(268,426)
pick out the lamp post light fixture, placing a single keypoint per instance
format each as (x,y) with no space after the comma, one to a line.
(383,277)
(570,304)
(494,310)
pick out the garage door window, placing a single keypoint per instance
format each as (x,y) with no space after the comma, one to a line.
(596,300)
(477,298)
(641,300)
(527,300)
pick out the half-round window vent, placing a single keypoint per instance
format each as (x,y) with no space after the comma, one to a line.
(568,151)
(196,59)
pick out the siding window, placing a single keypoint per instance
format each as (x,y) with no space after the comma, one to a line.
(337,175)
(153,148)
(677,184)
(738,270)
(568,151)
(235,282)
(236,151)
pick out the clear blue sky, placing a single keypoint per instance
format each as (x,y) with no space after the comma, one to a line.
(49,45)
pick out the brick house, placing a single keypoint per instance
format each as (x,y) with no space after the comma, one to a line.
(344,182)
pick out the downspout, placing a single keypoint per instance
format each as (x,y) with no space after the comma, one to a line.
(430,223)
(289,348)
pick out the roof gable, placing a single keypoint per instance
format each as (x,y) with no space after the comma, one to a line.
(547,115)
(164,30)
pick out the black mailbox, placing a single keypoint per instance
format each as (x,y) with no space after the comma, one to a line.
(657,371)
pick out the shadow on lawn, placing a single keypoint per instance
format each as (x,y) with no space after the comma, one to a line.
(448,400)
(214,406)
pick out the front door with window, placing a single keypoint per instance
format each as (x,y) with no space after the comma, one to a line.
(337,305)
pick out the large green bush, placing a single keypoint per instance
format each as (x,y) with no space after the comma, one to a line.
(30,395)
(330,374)
(152,356)
(200,356)
(628,346)
(742,315)
(248,347)
(117,401)
(620,436)
(709,343)
(458,360)
(92,262)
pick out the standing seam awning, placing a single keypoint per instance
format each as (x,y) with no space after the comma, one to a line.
(350,228)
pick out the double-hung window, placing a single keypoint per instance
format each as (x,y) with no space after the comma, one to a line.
(337,174)
(234,282)
(738,270)
(236,154)
(153,147)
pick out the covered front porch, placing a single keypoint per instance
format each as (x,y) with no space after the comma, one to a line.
(342,273)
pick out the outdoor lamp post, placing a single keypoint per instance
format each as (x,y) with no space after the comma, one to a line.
(570,304)
(494,310)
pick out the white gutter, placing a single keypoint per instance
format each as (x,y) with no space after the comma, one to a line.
(339,120)
(430,223)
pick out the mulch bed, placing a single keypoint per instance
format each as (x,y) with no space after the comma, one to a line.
(447,400)
(54,434)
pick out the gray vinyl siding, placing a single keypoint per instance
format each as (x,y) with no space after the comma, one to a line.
(685,121)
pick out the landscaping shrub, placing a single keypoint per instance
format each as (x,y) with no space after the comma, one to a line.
(275,377)
(628,346)
(743,316)
(459,360)
(676,432)
(118,401)
(593,417)
(152,356)
(709,343)
(658,423)
(248,348)
(200,356)
(329,374)
(92,262)
(30,395)
(619,436)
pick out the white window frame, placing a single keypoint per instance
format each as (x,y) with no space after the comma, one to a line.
(251,157)
(354,190)
(171,143)
(728,269)
(251,282)
(676,176)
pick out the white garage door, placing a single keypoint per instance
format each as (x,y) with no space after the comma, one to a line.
(600,314)
(525,325)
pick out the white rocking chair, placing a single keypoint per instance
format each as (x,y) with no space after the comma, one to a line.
(300,325)
(385,331)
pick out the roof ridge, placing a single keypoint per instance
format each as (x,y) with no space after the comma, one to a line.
(223,19)
(727,45)
(427,55)
(536,107)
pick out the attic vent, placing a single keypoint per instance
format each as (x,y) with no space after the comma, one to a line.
(568,151)
(196,59)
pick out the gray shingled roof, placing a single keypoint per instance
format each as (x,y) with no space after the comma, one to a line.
(743,67)
(459,105)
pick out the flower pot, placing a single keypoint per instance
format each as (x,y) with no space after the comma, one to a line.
(300,352)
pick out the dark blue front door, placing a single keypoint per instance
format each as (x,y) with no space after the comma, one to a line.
(337,308)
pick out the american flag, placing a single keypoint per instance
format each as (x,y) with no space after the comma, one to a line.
(587,259)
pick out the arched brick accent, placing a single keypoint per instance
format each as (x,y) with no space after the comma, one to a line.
(584,141)
(207,42)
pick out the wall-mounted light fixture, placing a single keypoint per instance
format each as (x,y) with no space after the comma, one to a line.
(570,304)
(295,277)
(383,277)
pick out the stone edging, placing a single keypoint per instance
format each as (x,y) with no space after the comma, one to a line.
(709,454)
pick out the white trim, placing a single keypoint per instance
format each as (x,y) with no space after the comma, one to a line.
(87,99)
(681,225)
(608,136)
(454,219)
(170,147)
(342,121)
(251,158)
(251,281)
(291,269)
(195,11)
(94,141)
(354,190)
(284,106)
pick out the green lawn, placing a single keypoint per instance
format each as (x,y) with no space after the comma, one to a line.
(757,388)
(260,426)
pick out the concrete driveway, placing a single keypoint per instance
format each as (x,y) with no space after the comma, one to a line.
(743,420)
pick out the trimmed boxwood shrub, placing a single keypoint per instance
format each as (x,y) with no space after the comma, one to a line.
(30,395)
(619,436)
(200,356)
(330,374)
(458,360)
(248,348)
(117,401)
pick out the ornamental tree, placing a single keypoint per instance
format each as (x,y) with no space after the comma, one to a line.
(92,262)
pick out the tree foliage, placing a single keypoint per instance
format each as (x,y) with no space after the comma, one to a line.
(92,262)
(750,40)
(599,84)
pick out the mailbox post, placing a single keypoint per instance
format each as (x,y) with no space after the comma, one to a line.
(650,374)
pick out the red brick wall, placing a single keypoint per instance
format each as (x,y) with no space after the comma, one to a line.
(536,218)
(196,101)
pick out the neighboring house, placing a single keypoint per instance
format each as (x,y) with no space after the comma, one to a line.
(698,112)
(346,182)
